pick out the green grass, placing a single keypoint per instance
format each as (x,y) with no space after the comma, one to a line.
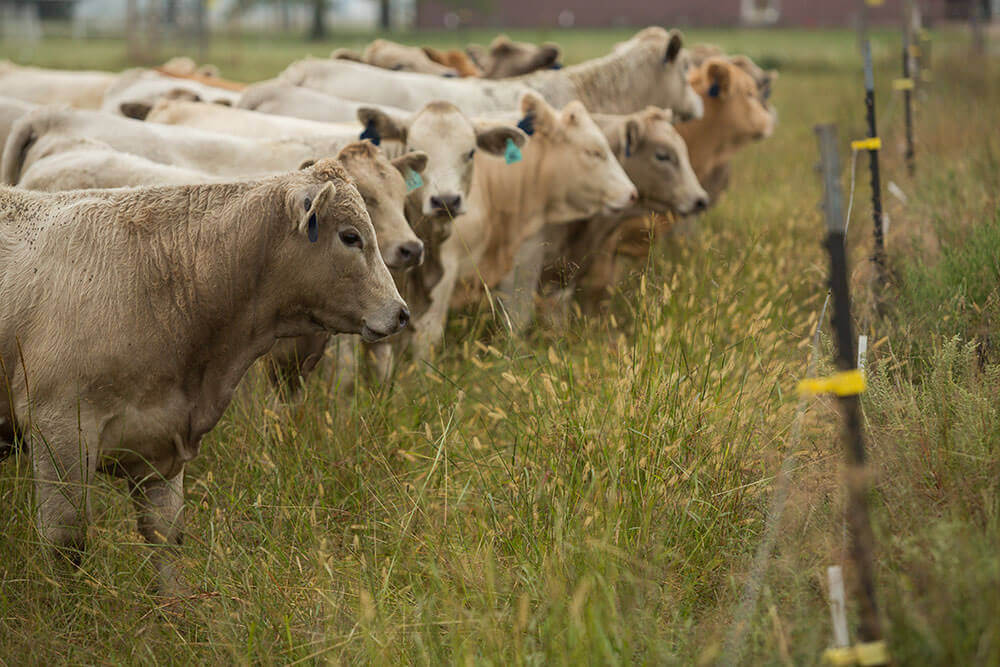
(595,495)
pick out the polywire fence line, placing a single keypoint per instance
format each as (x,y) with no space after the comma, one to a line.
(733,646)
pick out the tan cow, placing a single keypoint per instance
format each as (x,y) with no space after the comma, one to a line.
(380,182)
(655,157)
(140,86)
(35,134)
(281,98)
(567,173)
(455,147)
(394,56)
(80,89)
(244,123)
(504,58)
(132,315)
(83,164)
(735,115)
(649,69)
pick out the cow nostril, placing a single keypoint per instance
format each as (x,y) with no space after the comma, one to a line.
(449,203)
(634,196)
(411,252)
(404,316)
(700,204)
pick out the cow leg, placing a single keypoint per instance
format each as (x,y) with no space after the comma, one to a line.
(379,358)
(292,359)
(63,470)
(160,506)
(346,367)
(428,330)
(516,291)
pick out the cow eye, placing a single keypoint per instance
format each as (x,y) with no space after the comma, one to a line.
(595,154)
(351,238)
(664,156)
(470,154)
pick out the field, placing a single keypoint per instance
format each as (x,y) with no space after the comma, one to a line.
(595,494)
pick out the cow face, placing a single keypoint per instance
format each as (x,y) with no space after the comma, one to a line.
(381,185)
(655,158)
(505,58)
(331,258)
(734,105)
(581,174)
(451,142)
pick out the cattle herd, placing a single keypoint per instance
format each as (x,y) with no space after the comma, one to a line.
(162,229)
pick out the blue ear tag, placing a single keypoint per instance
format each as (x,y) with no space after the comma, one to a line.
(371,133)
(628,148)
(714,90)
(527,124)
(413,180)
(312,229)
(556,66)
(512,154)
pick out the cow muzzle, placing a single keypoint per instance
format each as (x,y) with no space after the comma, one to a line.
(450,205)
(404,255)
(392,320)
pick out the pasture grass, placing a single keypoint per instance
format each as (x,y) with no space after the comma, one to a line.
(594,494)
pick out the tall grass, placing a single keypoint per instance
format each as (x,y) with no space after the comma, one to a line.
(595,494)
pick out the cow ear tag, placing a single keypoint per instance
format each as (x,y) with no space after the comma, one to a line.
(713,91)
(371,133)
(628,147)
(413,180)
(512,154)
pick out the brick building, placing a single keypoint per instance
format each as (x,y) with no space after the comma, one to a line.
(604,13)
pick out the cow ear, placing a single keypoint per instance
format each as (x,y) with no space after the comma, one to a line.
(547,56)
(435,55)
(673,46)
(538,115)
(309,202)
(380,126)
(501,45)
(307,163)
(346,54)
(494,139)
(718,78)
(137,110)
(412,161)
(181,94)
(633,135)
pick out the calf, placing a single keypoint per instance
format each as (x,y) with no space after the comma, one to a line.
(380,182)
(567,173)
(132,315)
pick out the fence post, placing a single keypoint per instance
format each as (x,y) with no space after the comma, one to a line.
(873,144)
(847,386)
(907,83)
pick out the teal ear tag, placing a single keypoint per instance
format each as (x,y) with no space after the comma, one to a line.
(512,154)
(413,180)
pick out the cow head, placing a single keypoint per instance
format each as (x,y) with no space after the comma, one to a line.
(383,190)
(655,158)
(734,106)
(450,141)
(664,50)
(330,258)
(505,58)
(574,160)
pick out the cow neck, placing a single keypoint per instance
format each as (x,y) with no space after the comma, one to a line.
(512,196)
(706,146)
(615,83)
